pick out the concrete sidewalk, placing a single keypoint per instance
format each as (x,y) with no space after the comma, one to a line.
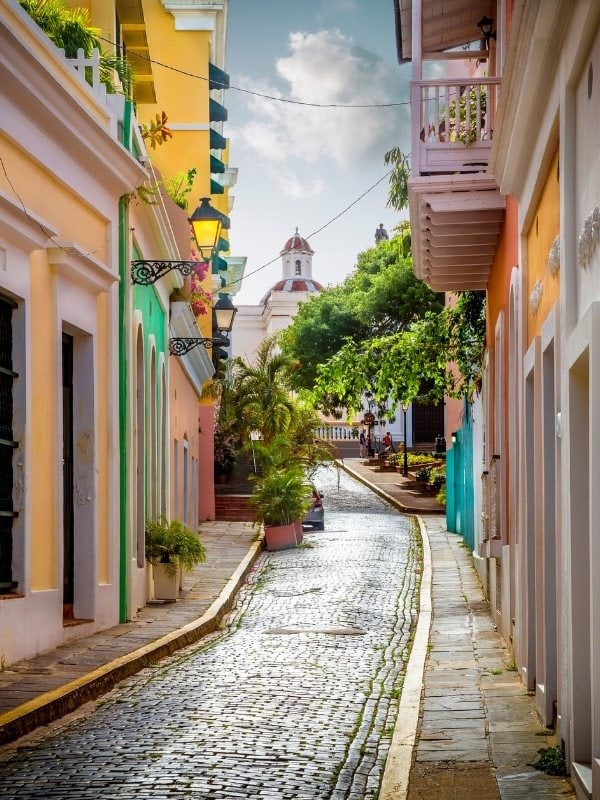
(467,727)
(404,492)
(42,689)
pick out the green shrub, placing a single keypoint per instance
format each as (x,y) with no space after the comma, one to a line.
(416,459)
(551,760)
(173,545)
(437,477)
(423,474)
(281,496)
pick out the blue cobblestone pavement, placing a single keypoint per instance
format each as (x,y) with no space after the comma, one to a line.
(296,697)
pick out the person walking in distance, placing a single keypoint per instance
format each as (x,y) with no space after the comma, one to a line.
(362,444)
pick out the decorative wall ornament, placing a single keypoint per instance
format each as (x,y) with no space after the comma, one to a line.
(554,256)
(536,296)
(588,238)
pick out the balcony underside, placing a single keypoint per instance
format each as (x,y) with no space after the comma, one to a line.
(455,224)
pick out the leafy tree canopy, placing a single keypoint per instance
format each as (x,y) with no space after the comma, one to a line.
(382,296)
(437,355)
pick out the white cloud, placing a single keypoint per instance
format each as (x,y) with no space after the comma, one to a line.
(326,68)
(294,186)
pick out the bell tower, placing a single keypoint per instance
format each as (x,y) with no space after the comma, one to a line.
(296,258)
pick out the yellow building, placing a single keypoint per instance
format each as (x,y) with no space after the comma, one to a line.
(63,171)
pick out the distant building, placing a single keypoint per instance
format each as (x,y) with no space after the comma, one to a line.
(280,304)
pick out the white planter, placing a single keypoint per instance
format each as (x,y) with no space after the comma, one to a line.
(166,585)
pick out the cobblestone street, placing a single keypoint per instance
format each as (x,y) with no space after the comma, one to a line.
(296,697)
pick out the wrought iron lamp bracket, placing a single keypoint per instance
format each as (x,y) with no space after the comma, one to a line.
(180,345)
(145,273)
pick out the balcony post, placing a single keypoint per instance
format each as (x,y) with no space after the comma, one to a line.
(417,34)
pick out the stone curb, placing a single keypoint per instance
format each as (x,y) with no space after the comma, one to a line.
(394,784)
(382,493)
(55,704)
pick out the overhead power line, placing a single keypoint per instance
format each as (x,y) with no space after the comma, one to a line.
(262,94)
(314,233)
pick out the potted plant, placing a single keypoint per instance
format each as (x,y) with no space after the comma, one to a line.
(280,498)
(171,547)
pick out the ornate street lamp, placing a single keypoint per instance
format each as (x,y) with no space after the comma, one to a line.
(405,465)
(206,224)
(223,314)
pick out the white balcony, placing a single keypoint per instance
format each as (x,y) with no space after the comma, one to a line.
(455,125)
(456,210)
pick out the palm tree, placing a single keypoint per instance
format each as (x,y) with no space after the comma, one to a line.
(262,393)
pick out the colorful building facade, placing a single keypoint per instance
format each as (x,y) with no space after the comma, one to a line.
(101,422)
(63,173)
(504,200)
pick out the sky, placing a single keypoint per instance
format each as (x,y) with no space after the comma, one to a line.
(301,166)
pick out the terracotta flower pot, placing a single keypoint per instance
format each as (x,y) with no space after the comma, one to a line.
(280,537)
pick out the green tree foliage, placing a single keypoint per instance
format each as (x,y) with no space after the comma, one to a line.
(398,180)
(437,355)
(258,398)
(382,296)
(71,29)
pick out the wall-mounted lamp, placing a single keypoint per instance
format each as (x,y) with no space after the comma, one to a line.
(206,224)
(485,25)
(224,313)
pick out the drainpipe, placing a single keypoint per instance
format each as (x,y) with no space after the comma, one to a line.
(123,462)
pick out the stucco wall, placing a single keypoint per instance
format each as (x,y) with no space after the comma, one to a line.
(542,286)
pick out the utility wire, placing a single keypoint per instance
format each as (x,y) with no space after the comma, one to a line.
(314,233)
(261,94)
(228,285)
(44,230)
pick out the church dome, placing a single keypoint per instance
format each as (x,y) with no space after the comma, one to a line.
(298,243)
(294,285)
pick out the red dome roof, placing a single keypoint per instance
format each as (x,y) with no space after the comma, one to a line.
(297,242)
(297,285)
(294,285)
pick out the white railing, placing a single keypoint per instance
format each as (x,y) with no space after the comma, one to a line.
(337,432)
(455,123)
(455,111)
(89,70)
